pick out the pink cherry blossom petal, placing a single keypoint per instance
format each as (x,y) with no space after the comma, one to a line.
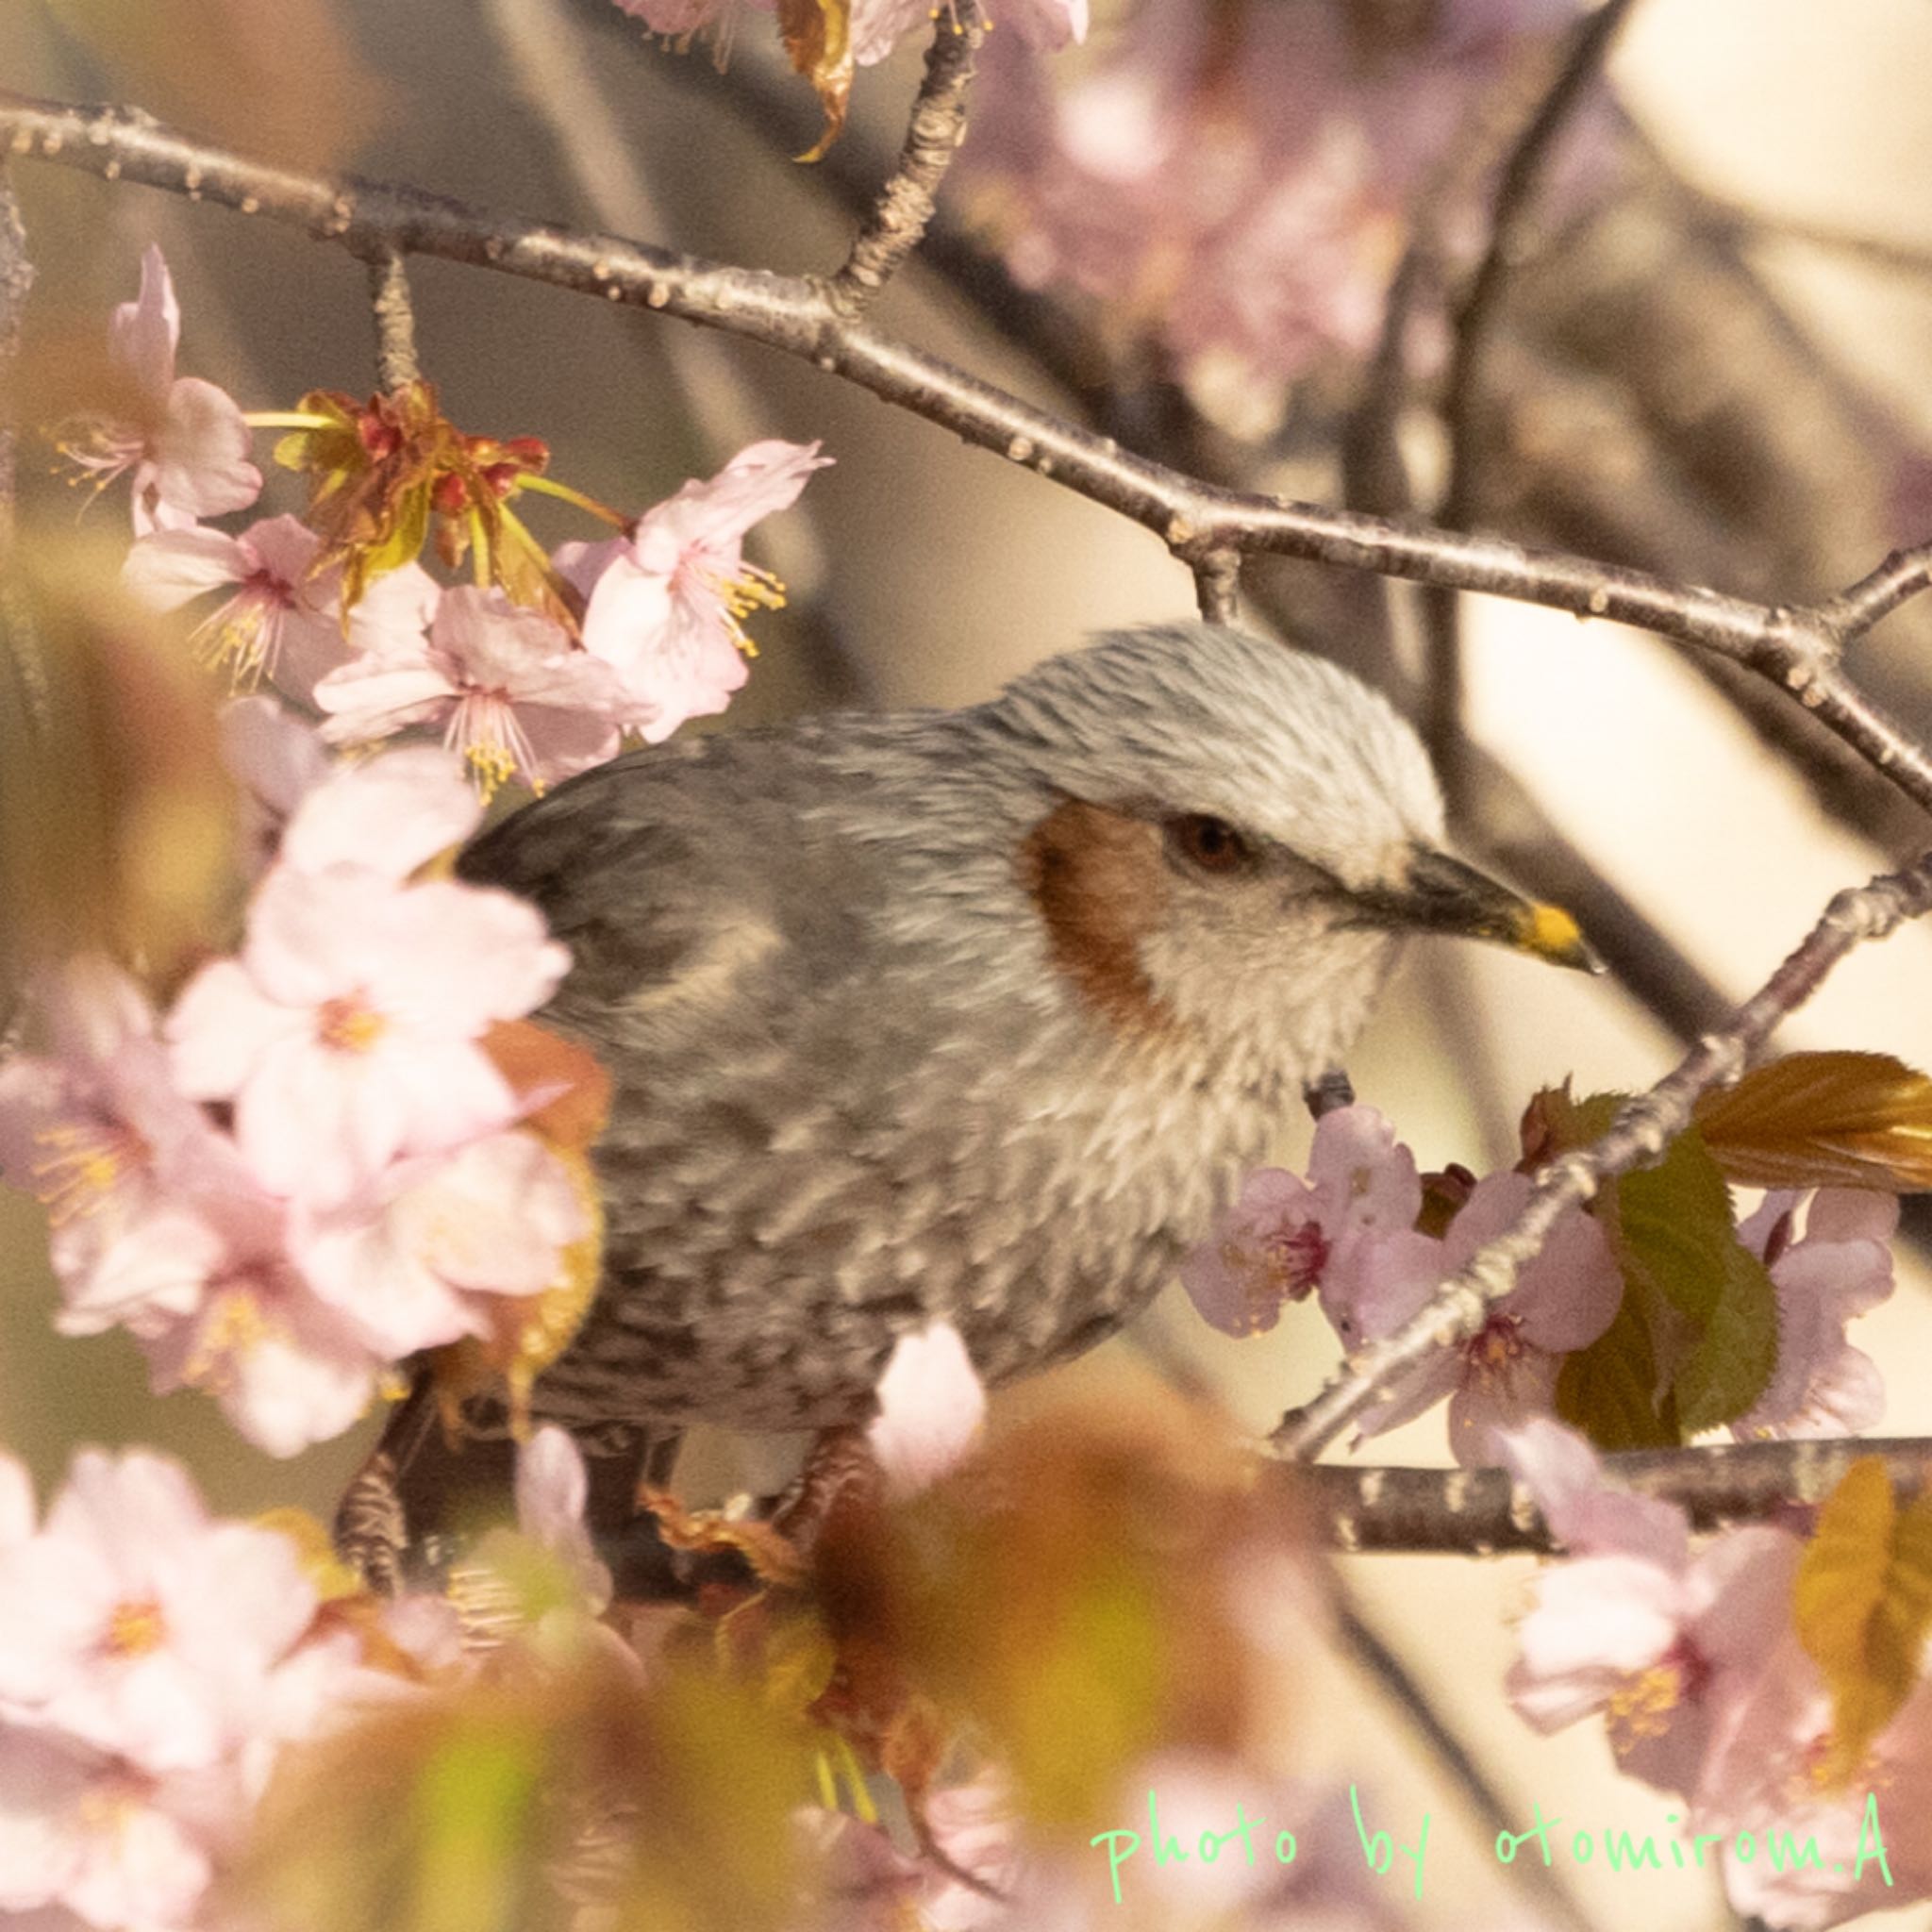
(516,697)
(552,1489)
(931,1406)
(666,613)
(389,814)
(169,567)
(143,333)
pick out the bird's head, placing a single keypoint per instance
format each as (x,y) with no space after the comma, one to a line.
(1234,837)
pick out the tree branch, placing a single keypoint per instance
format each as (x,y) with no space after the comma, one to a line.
(1484,1513)
(907,201)
(1901,576)
(1795,648)
(1638,1137)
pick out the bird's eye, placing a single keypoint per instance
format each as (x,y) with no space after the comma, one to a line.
(1209,845)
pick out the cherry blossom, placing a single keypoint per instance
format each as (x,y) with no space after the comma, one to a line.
(931,1405)
(1285,1236)
(346,1033)
(1762,1776)
(666,604)
(284,622)
(550,1490)
(85,1833)
(1235,184)
(1838,1268)
(679,20)
(138,1624)
(188,451)
(1661,1640)
(207,1287)
(1348,1231)
(97,1128)
(515,696)
(403,1265)
(1565,1296)
(390,815)
(154,1662)
(274,759)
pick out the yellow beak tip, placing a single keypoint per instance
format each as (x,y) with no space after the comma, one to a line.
(1552,934)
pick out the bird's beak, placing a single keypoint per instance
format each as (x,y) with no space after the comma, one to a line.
(1438,893)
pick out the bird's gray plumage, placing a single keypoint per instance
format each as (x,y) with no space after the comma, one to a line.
(919,1014)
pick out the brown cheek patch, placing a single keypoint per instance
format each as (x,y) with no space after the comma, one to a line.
(1100,885)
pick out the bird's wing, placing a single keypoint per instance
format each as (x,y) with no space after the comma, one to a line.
(690,886)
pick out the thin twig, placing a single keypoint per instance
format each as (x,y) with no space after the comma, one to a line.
(1898,579)
(1642,1130)
(1374,476)
(1751,222)
(1791,646)
(1217,586)
(395,320)
(907,203)
(16,281)
(21,668)
(1518,189)
(1329,1091)
(1483,1512)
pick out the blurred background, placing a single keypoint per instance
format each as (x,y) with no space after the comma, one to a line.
(1715,361)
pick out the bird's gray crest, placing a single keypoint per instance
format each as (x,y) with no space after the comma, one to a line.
(1202,718)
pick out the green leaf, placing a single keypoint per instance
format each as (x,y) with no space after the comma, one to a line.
(1670,1225)
(1684,1269)
(1608,1390)
(1733,1359)
(1555,1122)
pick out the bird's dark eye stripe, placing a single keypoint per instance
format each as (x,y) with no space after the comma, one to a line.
(1207,845)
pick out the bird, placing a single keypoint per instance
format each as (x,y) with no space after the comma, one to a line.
(976,1015)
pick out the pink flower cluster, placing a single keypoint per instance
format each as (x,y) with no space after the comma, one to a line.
(309,1167)
(152,1662)
(1690,1658)
(509,687)
(1348,1233)
(1235,182)
(155,1662)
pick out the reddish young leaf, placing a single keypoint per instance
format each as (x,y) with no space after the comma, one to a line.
(1824,1120)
